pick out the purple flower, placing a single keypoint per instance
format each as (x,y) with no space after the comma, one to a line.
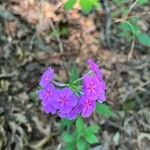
(62,114)
(47,96)
(73,114)
(88,105)
(46,77)
(65,100)
(95,69)
(102,97)
(48,108)
(91,86)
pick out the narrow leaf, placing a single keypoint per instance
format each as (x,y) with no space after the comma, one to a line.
(104,110)
(79,125)
(82,144)
(68,138)
(90,137)
(92,128)
(74,74)
(66,123)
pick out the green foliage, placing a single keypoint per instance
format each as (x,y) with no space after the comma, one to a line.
(81,137)
(104,110)
(64,31)
(143,2)
(86,5)
(69,4)
(68,138)
(144,39)
(90,137)
(93,128)
(121,8)
(81,144)
(74,74)
(65,123)
(130,29)
(74,84)
(79,125)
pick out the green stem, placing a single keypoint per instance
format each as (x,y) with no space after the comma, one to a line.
(78,80)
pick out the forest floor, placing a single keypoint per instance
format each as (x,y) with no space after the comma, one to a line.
(29,44)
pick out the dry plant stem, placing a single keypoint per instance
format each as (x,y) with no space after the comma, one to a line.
(132,6)
(133,41)
(133,38)
(57,36)
(39,145)
(105,4)
(58,84)
(83,77)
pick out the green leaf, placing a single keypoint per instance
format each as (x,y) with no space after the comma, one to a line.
(64,31)
(70,146)
(66,123)
(125,27)
(92,128)
(144,39)
(68,138)
(81,144)
(79,125)
(90,137)
(69,4)
(142,2)
(86,6)
(95,3)
(104,110)
(74,74)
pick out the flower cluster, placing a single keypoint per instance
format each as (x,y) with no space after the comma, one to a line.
(67,104)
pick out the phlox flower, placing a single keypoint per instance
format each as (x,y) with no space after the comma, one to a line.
(94,68)
(88,105)
(47,76)
(91,86)
(47,96)
(65,100)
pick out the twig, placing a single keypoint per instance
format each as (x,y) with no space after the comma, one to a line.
(132,6)
(133,38)
(137,15)
(105,5)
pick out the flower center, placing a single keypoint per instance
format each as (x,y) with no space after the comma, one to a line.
(46,78)
(91,88)
(48,93)
(63,99)
(87,104)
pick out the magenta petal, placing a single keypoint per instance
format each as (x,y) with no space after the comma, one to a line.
(65,100)
(88,105)
(47,108)
(91,86)
(94,68)
(47,76)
